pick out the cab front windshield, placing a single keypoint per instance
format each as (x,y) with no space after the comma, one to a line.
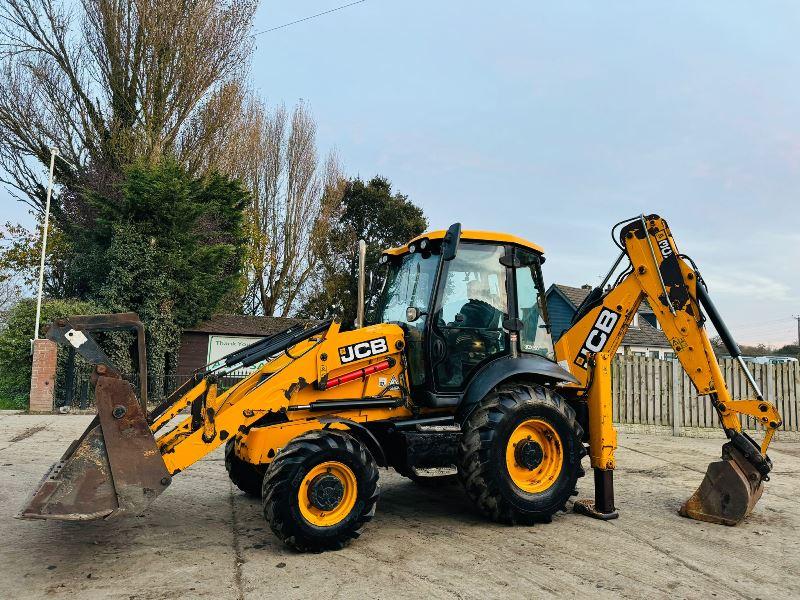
(408,283)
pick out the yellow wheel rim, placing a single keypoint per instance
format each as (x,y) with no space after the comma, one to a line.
(327,494)
(534,456)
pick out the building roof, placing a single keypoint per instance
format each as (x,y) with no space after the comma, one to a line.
(642,335)
(243,325)
(576,295)
(573,295)
(645,335)
(471,234)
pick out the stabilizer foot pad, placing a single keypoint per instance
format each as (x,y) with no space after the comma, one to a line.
(587,507)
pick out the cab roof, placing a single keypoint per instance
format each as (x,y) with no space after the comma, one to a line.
(472,235)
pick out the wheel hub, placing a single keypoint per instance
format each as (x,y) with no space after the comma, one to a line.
(528,454)
(325,491)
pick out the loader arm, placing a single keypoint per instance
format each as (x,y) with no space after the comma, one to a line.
(126,458)
(677,295)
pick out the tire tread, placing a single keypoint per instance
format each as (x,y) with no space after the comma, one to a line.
(277,489)
(480,431)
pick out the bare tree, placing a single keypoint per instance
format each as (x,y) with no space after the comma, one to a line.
(112,81)
(294,197)
(10,292)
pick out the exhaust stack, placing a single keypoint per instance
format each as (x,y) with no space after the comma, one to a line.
(362,259)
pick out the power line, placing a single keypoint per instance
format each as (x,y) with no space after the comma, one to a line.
(759,323)
(783,333)
(775,327)
(309,18)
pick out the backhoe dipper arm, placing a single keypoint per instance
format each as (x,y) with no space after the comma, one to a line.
(676,293)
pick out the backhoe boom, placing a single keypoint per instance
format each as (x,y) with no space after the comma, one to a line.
(677,296)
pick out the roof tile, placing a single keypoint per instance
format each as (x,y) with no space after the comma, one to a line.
(643,335)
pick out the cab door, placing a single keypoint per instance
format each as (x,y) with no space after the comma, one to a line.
(471,307)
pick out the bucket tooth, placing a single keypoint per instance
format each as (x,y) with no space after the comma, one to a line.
(115,467)
(728,493)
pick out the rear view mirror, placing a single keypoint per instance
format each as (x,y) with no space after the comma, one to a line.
(450,242)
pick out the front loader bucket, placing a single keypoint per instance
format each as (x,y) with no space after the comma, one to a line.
(113,468)
(728,493)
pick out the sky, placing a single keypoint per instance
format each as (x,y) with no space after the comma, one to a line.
(555,120)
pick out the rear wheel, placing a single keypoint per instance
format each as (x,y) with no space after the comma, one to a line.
(245,476)
(520,456)
(320,491)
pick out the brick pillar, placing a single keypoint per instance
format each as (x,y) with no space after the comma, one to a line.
(43,376)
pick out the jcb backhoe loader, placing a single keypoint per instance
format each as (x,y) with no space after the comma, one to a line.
(457,368)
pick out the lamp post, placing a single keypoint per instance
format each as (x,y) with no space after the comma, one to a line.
(53,153)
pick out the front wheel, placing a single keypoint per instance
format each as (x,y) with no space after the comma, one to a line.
(520,455)
(320,491)
(245,476)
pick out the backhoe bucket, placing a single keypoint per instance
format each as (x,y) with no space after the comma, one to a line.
(728,493)
(113,468)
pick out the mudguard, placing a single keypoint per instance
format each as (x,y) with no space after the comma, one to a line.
(503,369)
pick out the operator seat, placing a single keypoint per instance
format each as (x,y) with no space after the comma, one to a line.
(479,315)
(480,311)
(469,337)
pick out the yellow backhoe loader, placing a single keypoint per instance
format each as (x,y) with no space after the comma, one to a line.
(457,368)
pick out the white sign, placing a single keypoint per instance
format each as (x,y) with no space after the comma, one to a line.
(219,346)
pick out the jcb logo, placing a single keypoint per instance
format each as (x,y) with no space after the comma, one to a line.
(665,248)
(363,350)
(598,336)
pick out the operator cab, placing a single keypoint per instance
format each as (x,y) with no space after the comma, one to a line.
(465,299)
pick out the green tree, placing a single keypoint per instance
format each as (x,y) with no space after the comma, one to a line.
(788,350)
(20,252)
(170,247)
(369,211)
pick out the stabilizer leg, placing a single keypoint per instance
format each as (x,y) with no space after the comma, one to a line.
(603,505)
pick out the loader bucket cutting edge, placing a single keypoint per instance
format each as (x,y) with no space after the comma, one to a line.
(113,468)
(728,493)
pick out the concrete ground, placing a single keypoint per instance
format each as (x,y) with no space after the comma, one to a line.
(203,539)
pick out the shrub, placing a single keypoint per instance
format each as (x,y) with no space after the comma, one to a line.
(15,344)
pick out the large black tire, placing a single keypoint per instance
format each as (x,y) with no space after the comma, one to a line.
(487,432)
(245,476)
(284,479)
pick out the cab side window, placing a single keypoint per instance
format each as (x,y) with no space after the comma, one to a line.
(534,337)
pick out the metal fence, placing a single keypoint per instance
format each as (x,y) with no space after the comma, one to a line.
(76,391)
(649,391)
